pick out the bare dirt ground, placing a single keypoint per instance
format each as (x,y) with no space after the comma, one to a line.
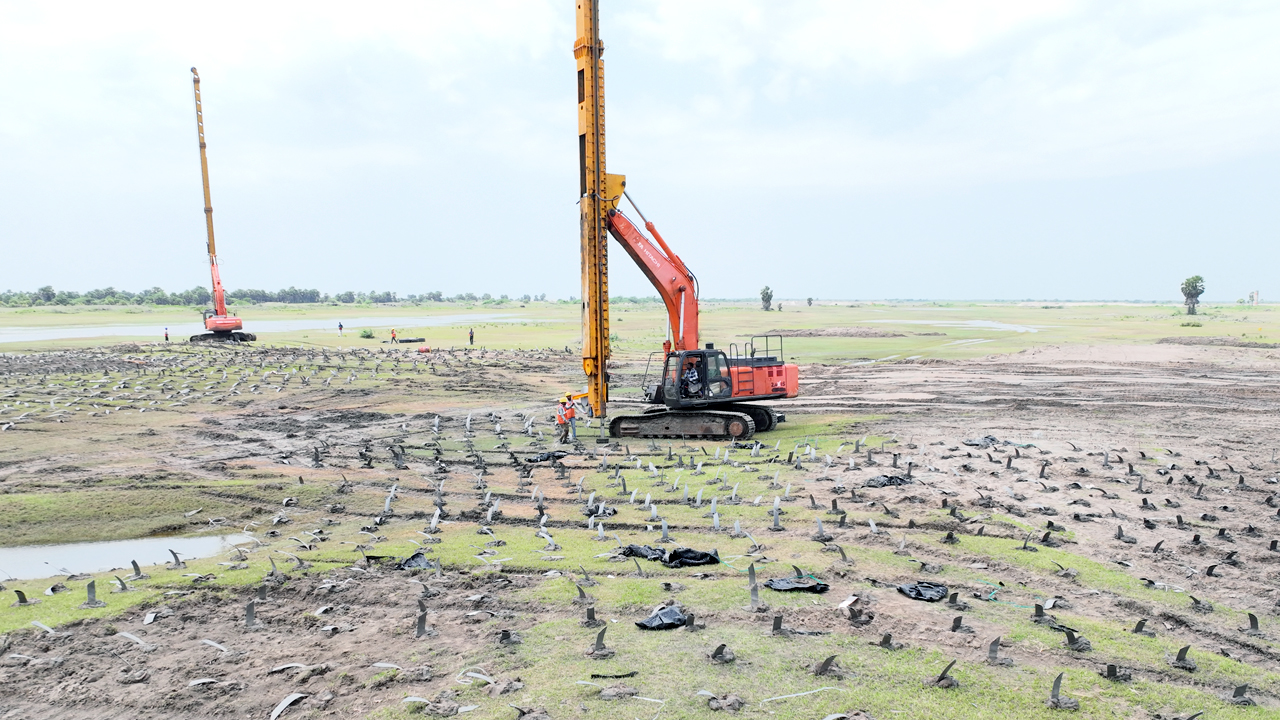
(1106,485)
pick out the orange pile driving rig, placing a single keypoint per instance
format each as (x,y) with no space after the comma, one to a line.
(221,326)
(702,391)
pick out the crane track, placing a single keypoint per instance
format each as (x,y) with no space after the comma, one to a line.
(676,424)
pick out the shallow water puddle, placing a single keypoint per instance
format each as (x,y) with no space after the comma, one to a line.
(29,562)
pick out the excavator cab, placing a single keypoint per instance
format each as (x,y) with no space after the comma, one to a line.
(696,378)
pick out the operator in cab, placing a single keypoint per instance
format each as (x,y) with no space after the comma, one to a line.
(692,377)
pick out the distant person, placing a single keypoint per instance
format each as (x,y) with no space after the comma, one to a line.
(471,336)
(393,336)
(339,329)
(166,334)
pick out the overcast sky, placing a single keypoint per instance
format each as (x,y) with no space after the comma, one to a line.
(908,149)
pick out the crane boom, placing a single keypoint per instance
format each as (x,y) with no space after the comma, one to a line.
(219,295)
(668,274)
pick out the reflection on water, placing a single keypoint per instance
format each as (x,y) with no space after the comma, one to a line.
(181,331)
(39,561)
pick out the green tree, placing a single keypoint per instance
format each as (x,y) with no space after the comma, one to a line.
(1192,289)
(810,302)
(766,298)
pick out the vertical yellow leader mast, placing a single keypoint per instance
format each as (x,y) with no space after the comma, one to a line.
(599,193)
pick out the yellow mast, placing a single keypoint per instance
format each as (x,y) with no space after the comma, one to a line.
(599,192)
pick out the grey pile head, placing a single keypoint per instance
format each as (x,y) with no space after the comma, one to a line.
(715,521)
(1057,687)
(1111,672)
(718,652)
(665,536)
(137,571)
(1039,610)
(825,667)
(737,527)
(887,640)
(993,650)
(698,500)
(777,623)
(1240,691)
(653,512)
(947,669)
(600,639)
(582,595)
(957,622)
(775,519)
(843,557)
(639,570)
(600,531)
(123,586)
(1141,624)
(820,531)
(872,524)
(1253,620)
(421,629)
(751,574)
(249,616)
(591,614)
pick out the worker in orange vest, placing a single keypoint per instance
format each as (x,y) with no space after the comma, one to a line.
(571,412)
(393,336)
(565,423)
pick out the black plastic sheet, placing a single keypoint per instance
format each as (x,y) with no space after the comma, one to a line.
(543,457)
(667,617)
(880,481)
(796,584)
(642,551)
(677,558)
(687,557)
(925,590)
(416,560)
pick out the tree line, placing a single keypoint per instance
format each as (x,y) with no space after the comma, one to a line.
(198,296)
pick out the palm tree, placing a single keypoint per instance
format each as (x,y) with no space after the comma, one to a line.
(1192,289)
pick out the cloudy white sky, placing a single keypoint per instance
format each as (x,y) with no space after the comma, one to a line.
(912,149)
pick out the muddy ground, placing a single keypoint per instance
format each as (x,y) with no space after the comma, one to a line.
(1046,477)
